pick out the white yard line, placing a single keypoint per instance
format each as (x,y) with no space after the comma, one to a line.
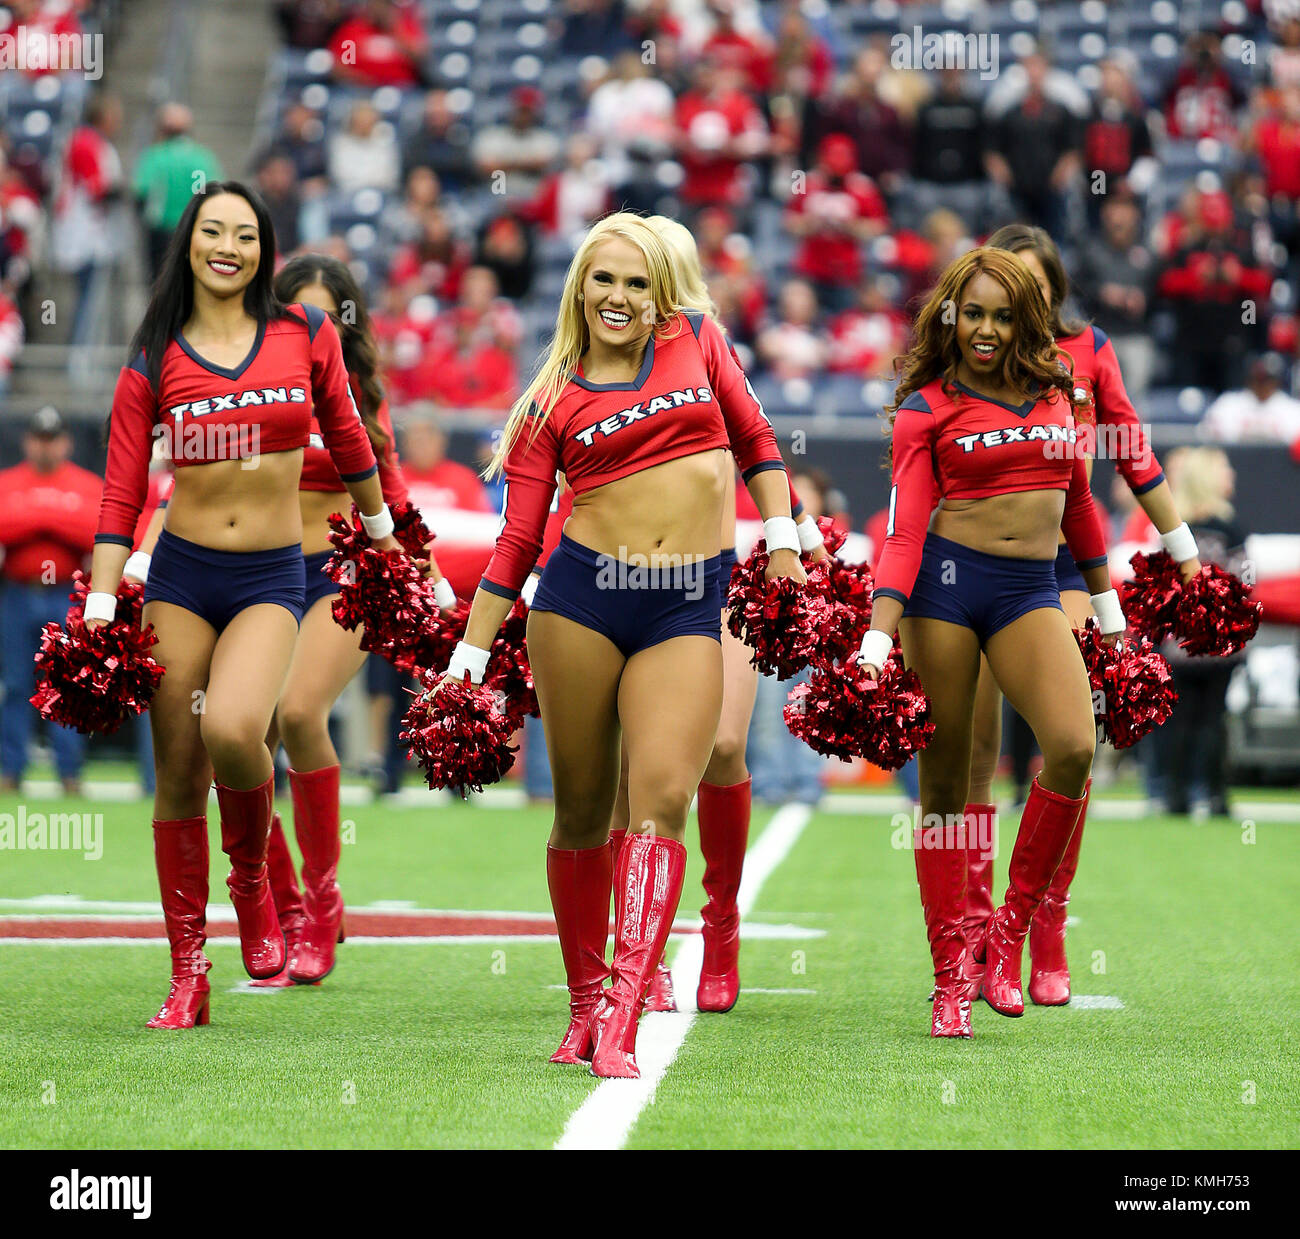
(606,1118)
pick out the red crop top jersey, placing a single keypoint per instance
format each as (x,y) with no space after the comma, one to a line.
(319,471)
(966,446)
(690,396)
(1097,376)
(209,413)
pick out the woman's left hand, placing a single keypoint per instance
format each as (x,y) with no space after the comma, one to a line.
(1189,568)
(785,563)
(819,554)
(389,543)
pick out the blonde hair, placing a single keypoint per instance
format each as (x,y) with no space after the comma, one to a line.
(686,258)
(1197,483)
(572,337)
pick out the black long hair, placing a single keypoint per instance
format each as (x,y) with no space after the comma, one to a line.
(360,353)
(171,301)
(1020,237)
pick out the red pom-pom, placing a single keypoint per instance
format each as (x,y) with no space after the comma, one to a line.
(842,712)
(508,670)
(1133,692)
(1210,614)
(461,736)
(1215,613)
(832,535)
(95,679)
(847,587)
(130,599)
(780,620)
(408,528)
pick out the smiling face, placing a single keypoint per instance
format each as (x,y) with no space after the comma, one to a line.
(225,247)
(616,299)
(984,327)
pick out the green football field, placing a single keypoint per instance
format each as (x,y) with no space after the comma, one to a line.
(1185,954)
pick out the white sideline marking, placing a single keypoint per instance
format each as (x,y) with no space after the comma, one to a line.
(606,1118)
(757,990)
(1096,1002)
(1130,810)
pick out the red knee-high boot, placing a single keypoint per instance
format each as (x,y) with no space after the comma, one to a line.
(647,888)
(579,880)
(724,835)
(180,849)
(1049,971)
(287,897)
(316,823)
(941,875)
(659,995)
(1046,826)
(981,823)
(245,834)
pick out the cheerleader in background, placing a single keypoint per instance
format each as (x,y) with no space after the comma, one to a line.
(232,377)
(983,425)
(636,402)
(1097,381)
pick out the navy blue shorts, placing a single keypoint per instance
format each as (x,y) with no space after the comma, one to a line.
(635,607)
(318,584)
(217,585)
(729,561)
(981,592)
(1068,575)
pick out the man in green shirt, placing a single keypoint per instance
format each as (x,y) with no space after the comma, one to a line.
(169,172)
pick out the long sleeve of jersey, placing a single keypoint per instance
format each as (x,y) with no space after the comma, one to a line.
(749,433)
(1134,458)
(391,477)
(912,499)
(1081,522)
(130,445)
(336,413)
(796,504)
(530,468)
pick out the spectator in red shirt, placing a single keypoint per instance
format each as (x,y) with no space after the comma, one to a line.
(48,530)
(836,212)
(435,262)
(803,66)
(719,129)
(573,198)
(382,45)
(434,481)
(1276,140)
(866,338)
(753,55)
(50,29)
(1203,98)
(11,339)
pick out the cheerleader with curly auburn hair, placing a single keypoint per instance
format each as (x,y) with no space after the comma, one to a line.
(984,427)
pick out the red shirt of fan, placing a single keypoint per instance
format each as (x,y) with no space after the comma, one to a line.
(706,125)
(689,397)
(950,442)
(374,54)
(1278,144)
(449,484)
(865,342)
(48,527)
(206,413)
(832,255)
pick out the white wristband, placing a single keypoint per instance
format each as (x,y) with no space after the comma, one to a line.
(469,658)
(137,565)
(378,526)
(781,534)
(810,536)
(443,593)
(1180,543)
(1109,612)
(876,647)
(100,607)
(530,589)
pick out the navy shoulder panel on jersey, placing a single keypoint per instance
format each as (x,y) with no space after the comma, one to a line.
(139,364)
(696,320)
(916,401)
(315,319)
(1099,338)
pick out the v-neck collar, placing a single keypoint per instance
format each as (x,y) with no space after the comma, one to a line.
(225,373)
(1020,410)
(636,384)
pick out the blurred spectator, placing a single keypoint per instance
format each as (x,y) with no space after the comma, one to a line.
(630,115)
(1117,139)
(12,334)
(1276,140)
(442,142)
(21,225)
(1206,281)
(594,28)
(1196,739)
(919,258)
(838,211)
(750,53)
(737,287)
(948,143)
(164,178)
(1034,149)
(1115,275)
(365,154)
(52,23)
(51,512)
(719,130)
(277,182)
(1284,56)
(434,481)
(308,23)
(382,44)
(434,262)
(803,65)
(403,326)
(859,111)
(569,200)
(402,219)
(513,157)
(865,339)
(302,141)
(505,247)
(82,240)
(1260,413)
(793,346)
(1202,100)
